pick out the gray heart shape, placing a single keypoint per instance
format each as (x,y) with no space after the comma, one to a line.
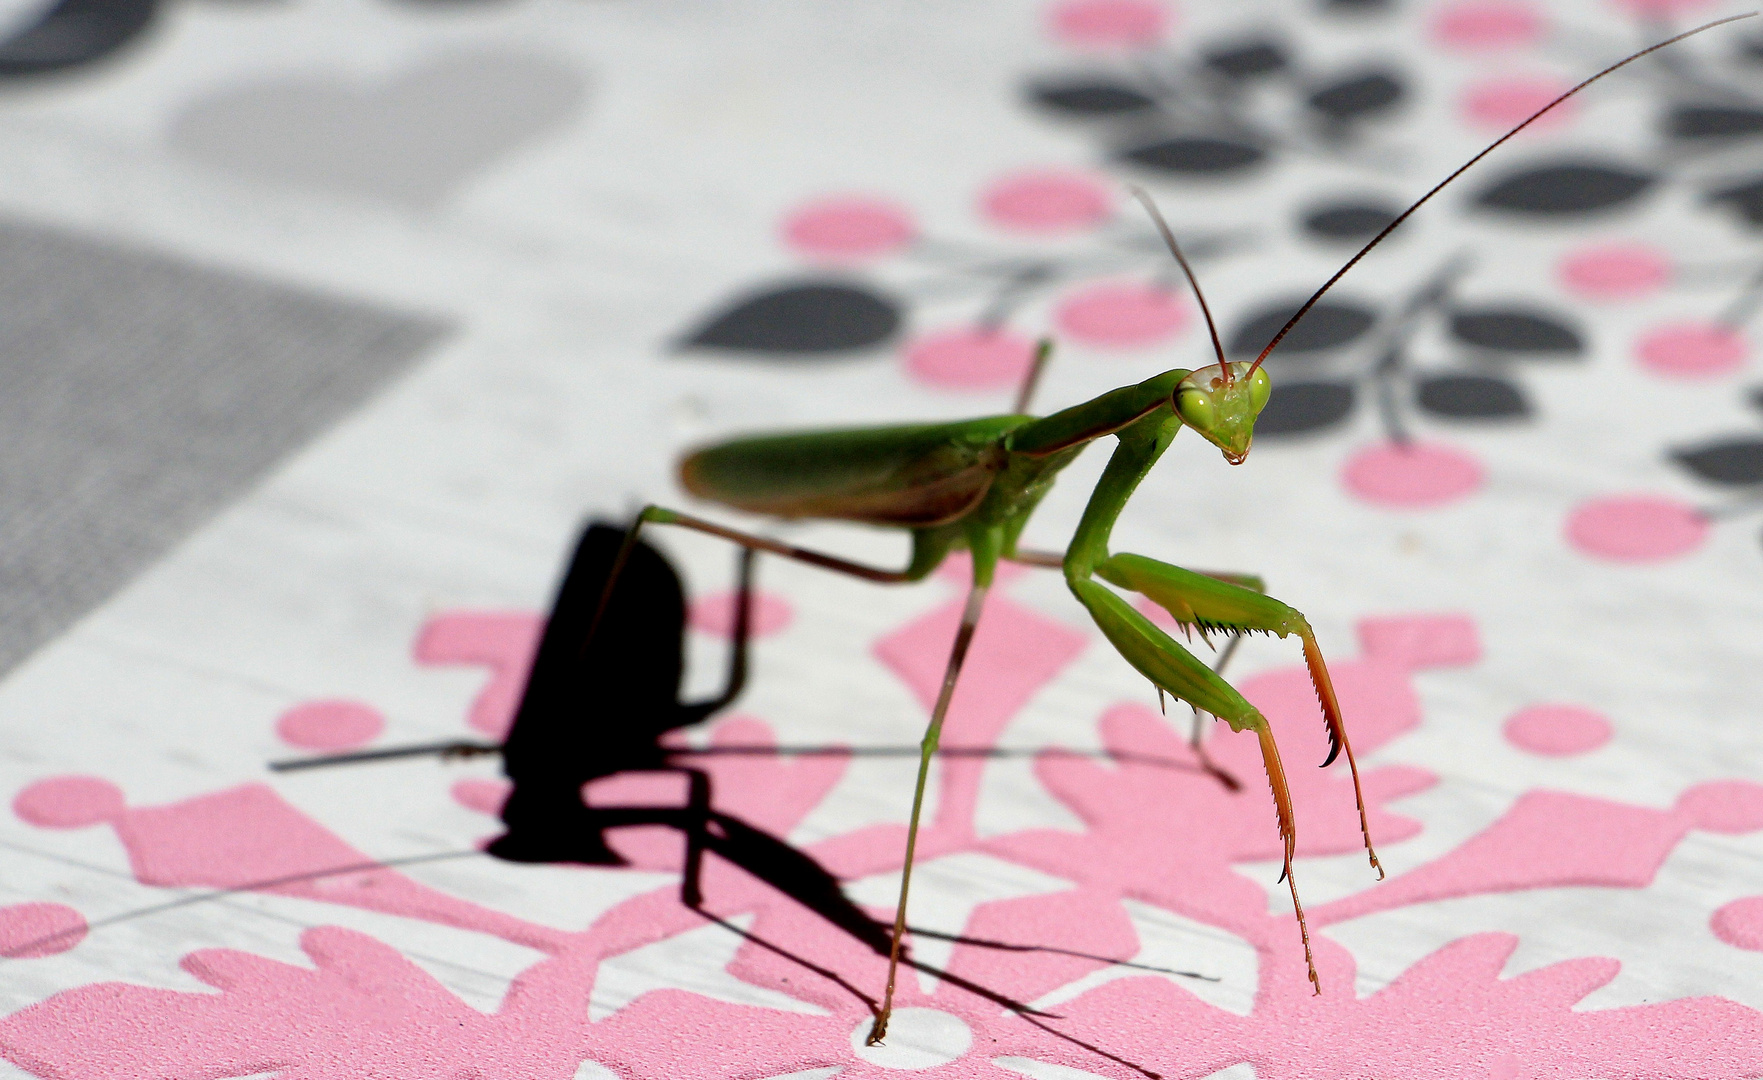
(411,141)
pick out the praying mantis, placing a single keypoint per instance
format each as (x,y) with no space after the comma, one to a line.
(974,484)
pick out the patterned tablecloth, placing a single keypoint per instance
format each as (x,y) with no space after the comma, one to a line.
(325,323)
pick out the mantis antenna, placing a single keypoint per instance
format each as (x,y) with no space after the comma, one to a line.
(1440,186)
(1175,249)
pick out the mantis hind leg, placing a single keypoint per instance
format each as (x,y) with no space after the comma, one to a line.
(929,548)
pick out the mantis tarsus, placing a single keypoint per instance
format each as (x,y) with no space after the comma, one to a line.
(974,483)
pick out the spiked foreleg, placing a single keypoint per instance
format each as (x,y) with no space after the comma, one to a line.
(1180,673)
(1209,603)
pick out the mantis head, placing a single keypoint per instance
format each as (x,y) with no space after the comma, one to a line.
(1219,401)
(1222,407)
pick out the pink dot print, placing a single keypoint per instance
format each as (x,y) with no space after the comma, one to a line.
(970,359)
(330,725)
(848,229)
(484,796)
(1047,202)
(1660,9)
(1122,315)
(1740,923)
(1732,807)
(1108,24)
(1610,272)
(28,931)
(1499,104)
(1692,350)
(1486,25)
(69,802)
(1417,642)
(1413,476)
(715,614)
(1557,730)
(1636,528)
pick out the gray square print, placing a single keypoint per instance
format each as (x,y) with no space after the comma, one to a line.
(141,395)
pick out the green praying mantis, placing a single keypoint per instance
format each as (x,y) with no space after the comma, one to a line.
(973,484)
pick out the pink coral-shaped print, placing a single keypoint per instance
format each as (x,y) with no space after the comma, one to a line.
(1156,828)
(1447,1017)
(365,1011)
(1159,829)
(1017,951)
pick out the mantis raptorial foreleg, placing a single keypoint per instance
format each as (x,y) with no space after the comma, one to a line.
(1158,657)
(1200,600)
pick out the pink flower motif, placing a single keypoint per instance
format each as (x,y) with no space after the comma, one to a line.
(249,838)
(1549,839)
(363,1010)
(1059,930)
(1449,1016)
(1186,863)
(503,641)
(1418,642)
(770,791)
(484,796)
(1016,651)
(1155,828)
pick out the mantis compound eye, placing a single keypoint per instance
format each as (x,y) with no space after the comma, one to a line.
(1196,408)
(1260,389)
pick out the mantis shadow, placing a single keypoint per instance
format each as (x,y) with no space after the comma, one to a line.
(596,709)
